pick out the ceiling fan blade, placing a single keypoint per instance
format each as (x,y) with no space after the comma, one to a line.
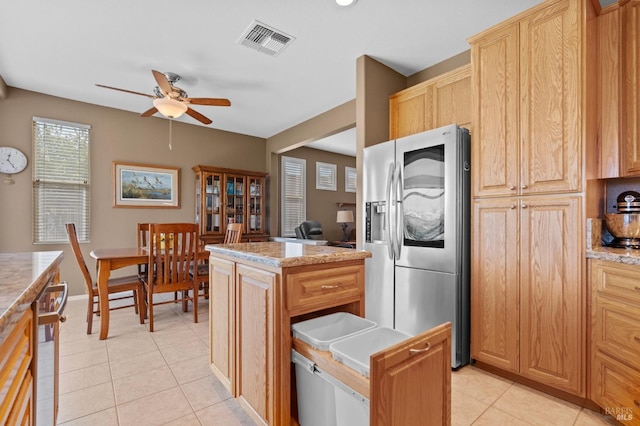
(201,118)
(125,90)
(208,101)
(149,112)
(162,81)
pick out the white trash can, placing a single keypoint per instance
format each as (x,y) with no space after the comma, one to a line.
(316,390)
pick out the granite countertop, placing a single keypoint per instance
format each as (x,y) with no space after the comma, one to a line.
(22,278)
(595,249)
(282,254)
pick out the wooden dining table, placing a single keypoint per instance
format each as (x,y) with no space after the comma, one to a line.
(108,260)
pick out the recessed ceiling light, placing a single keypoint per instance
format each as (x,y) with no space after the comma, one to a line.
(346,2)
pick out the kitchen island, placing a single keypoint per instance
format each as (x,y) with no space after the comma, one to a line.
(23,277)
(257,290)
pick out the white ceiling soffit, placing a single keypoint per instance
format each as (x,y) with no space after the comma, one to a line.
(341,143)
(265,39)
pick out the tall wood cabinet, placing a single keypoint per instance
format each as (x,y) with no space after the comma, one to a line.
(226,196)
(630,88)
(533,102)
(434,103)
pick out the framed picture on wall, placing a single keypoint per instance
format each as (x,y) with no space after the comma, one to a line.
(145,185)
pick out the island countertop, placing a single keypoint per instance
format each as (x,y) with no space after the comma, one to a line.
(279,254)
(22,278)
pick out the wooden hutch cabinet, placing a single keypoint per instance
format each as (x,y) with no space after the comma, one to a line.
(226,196)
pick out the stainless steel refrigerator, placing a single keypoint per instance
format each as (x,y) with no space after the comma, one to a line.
(416,224)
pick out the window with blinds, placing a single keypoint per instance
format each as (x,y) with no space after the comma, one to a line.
(294,177)
(61,191)
(350,179)
(326,176)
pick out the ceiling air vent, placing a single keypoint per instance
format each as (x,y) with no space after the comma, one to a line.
(265,39)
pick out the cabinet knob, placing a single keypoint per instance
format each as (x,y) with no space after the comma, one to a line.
(523,186)
(637,288)
(512,206)
(524,205)
(637,403)
(636,338)
(512,187)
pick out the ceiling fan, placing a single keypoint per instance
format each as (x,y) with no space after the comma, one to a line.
(171,101)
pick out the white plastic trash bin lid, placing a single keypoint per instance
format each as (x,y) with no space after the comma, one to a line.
(355,352)
(322,331)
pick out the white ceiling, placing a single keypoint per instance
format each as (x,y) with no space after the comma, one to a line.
(64,47)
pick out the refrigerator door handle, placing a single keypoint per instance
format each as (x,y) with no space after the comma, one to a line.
(388,230)
(399,211)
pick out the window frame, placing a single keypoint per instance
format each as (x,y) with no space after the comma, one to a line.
(326,171)
(58,196)
(302,163)
(347,171)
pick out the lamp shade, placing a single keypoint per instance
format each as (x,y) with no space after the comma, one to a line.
(344,216)
(170,107)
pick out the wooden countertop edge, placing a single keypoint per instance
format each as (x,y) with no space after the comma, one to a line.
(10,317)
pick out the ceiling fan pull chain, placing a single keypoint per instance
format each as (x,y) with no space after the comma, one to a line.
(170,134)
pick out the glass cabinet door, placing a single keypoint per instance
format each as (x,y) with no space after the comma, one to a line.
(235,190)
(255,205)
(212,195)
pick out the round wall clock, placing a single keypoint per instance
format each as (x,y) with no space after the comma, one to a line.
(12,160)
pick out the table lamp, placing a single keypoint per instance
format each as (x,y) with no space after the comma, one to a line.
(344,217)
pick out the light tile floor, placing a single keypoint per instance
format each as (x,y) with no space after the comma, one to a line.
(140,378)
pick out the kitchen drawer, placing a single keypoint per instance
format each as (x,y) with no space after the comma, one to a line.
(617,280)
(614,386)
(323,287)
(616,330)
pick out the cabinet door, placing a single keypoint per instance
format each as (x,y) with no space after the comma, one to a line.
(452,98)
(222,321)
(550,100)
(552,343)
(494,283)
(631,87)
(234,199)
(411,381)
(256,361)
(494,61)
(209,203)
(255,205)
(411,111)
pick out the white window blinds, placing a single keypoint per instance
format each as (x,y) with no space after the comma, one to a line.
(60,180)
(293,172)
(350,179)
(326,176)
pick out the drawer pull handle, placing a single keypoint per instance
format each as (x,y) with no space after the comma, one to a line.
(417,351)
(326,286)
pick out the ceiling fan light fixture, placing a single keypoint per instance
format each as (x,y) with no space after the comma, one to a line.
(170,107)
(345,3)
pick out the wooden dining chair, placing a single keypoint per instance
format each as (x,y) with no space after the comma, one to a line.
(172,249)
(233,234)
(143,241)
(125,287)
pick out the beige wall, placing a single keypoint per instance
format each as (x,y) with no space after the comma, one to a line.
(323,205)
(115,135)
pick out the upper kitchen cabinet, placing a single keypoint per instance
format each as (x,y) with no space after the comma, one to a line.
(528,96)
(630,88)
(434,103)
(226,196)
